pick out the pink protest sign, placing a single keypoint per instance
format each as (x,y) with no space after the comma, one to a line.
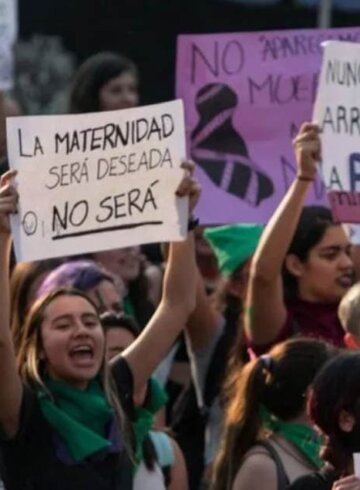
(345,206)
(245,97)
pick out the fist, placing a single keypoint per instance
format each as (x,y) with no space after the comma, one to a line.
(307,149)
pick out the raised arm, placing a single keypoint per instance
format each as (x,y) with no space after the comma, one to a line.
(177,302)
(10,384)
(266,312)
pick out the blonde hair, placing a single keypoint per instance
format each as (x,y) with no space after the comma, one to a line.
(23,278)
(349,310)
(32,367)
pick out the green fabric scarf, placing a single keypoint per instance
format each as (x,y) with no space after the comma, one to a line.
(129,307)
(304,438)
(233,244)
(144,417)
(78,416)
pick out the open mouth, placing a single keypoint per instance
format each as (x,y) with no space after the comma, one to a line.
(82,353)
(346,280)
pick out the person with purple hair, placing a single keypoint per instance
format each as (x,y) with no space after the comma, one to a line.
(87,276)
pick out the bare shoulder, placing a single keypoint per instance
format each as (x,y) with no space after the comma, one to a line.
(257,472)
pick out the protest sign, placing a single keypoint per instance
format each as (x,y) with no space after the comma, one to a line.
(356,460)
(245,97)
(8,34)
(97,181)
(345,206)
(337,110)
(353,231)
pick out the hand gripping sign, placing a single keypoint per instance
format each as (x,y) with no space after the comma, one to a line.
(98,181)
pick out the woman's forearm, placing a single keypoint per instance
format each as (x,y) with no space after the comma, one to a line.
(155,341)
(279,232)
(180,275)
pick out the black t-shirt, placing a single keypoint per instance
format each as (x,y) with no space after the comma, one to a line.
(323,480)
(29,461)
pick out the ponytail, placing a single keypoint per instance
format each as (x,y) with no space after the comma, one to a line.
(279,382)
(242,425)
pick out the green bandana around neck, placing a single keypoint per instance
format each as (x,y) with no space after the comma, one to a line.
(304,438)
(78,416)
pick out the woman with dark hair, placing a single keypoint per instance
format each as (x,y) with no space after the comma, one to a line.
(313,254)
(104,82)
(268,441)
(334,407)
(120,332)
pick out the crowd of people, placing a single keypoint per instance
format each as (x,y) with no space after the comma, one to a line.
(227,361)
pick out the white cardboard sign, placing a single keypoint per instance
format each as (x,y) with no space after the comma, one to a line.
(356,457)
(337,111)
(98,181)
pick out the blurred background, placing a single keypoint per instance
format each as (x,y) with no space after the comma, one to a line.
(56,35)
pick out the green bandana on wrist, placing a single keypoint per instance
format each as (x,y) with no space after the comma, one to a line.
(78,416)
(303,437)
(144,417)
(142,425)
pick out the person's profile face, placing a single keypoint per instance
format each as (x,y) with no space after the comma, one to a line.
(120,92)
